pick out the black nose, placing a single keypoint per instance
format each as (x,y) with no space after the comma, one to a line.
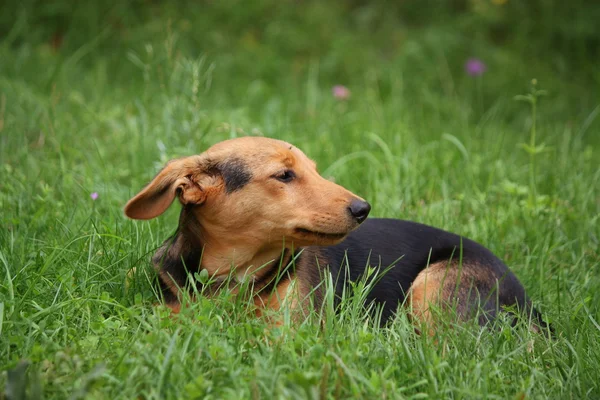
(359,210)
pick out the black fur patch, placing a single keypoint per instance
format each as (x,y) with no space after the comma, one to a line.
(236,174)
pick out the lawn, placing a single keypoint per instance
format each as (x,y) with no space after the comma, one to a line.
(96,96)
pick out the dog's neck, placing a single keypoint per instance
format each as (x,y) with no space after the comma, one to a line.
(199,250)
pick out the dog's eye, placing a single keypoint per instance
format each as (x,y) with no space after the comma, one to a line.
(285,176)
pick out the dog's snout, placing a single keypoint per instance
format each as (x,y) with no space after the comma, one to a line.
(359,209)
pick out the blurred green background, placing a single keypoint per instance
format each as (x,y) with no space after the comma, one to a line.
(275,43)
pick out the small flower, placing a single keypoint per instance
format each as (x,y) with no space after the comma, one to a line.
(475,67)
(94,195)
(340,92)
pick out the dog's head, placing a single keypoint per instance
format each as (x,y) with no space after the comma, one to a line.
(254,191)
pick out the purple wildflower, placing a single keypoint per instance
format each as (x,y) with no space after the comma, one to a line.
(94,195)
(341,92)
(475,67)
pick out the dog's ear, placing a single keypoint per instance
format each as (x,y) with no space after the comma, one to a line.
(179,177)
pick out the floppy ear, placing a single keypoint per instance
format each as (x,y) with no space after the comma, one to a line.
(179,176)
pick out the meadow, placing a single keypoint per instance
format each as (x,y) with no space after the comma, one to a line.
(479,117)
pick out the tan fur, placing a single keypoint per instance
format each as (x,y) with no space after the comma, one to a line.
(444,285)
(154,199)
(274,300)
(426,291)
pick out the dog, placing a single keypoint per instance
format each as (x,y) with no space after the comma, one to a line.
(257,207)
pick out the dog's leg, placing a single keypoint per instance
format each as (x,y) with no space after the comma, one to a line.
(466,288)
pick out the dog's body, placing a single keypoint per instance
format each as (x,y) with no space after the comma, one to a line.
(427,264)
(257,207)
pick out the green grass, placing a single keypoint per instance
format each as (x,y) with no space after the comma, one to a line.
(134,84)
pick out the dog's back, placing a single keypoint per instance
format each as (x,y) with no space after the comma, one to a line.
(461,272)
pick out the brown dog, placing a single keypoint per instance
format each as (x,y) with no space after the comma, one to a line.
(258,207)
